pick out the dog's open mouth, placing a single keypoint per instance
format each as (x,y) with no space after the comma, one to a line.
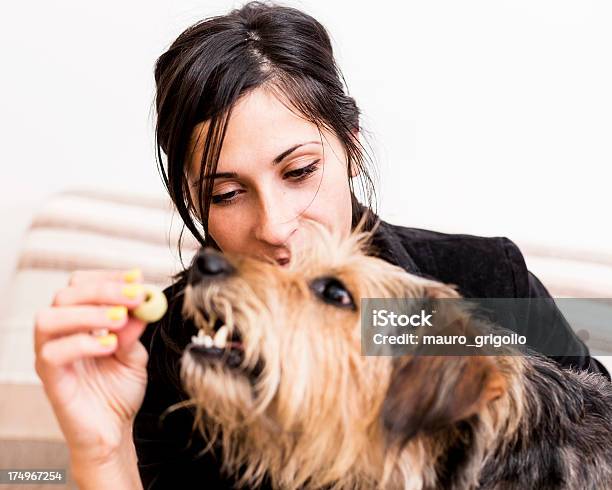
(221,344)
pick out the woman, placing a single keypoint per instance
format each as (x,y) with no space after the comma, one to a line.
(259,135)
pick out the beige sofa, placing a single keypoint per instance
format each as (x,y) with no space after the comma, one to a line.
(80,229)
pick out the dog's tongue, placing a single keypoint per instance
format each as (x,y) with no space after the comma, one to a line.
(235,345)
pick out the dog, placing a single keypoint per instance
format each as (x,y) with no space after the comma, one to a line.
(277,378)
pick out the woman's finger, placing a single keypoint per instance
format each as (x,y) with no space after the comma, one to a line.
(118,275)
(101,292)
(57,321)
(65,350)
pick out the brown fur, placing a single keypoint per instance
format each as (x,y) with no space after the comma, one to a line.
(322,415)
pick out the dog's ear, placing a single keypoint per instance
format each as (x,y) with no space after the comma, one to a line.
(438,290)
(428,393)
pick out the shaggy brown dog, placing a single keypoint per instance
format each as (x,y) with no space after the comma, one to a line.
(277,374)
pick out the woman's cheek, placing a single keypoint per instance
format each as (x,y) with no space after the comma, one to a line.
(309,192)
(225,224)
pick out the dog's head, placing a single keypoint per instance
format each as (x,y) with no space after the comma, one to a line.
(277,366)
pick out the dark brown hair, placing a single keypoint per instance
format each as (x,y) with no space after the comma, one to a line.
(217,61)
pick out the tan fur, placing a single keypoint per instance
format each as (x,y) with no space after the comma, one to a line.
(313,416)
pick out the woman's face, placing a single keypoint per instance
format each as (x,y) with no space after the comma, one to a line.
(273,173)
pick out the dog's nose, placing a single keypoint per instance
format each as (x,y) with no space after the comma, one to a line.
(209,264)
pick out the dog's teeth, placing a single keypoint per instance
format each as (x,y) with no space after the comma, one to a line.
(196,339)
(221,337)
(202,339)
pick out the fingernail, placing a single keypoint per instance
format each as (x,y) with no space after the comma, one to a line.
(132,275)
(117,313)
(132,290)
(107,340)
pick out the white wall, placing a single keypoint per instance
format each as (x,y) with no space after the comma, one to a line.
(489,117)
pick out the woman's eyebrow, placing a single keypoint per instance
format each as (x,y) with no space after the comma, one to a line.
(288,151)
(276,161)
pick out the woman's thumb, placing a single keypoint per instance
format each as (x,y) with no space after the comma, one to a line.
(130,350)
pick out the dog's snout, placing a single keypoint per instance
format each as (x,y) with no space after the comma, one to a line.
(209,264)
(212,264)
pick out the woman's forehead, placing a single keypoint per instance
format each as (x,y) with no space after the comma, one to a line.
(259,129)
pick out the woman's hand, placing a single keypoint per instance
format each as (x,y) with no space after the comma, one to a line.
(95,384)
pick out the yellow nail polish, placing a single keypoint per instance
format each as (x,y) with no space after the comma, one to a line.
(107,340)
(132,275)
(132,290)
(117,313)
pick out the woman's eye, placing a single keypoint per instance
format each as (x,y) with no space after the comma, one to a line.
(296,175)
(304,172)
(224,198)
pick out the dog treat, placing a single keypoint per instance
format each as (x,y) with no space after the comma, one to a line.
(154,305)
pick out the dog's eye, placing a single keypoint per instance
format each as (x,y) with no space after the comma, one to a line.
(331,290)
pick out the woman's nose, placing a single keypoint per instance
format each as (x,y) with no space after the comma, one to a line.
(274,227)
(209,264)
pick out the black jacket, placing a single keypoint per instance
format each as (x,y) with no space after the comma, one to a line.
(481,267)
